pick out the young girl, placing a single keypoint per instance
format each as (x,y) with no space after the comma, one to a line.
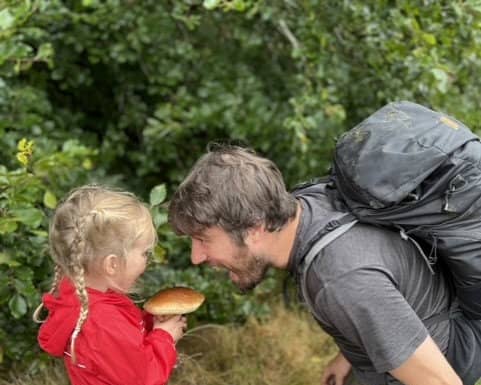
(100,240)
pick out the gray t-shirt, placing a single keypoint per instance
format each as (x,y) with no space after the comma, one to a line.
(371,290)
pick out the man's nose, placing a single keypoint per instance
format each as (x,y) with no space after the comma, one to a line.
(197,254)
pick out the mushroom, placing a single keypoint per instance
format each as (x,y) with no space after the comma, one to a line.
(176,300)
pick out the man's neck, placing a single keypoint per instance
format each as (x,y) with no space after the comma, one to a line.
(280,243)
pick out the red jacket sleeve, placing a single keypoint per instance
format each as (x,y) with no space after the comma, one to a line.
(148,320)
(120,353)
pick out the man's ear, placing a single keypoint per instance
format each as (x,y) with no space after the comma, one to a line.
(254,235)
(111,264)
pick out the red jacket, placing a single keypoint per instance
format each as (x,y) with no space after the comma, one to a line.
(116,344)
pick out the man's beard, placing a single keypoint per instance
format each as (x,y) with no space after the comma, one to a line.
(250,271)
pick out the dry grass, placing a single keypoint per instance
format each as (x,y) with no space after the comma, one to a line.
(288,349)
(54,375)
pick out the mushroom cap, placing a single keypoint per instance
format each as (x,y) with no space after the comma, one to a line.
(176,300)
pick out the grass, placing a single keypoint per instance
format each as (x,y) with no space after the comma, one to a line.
(287,349)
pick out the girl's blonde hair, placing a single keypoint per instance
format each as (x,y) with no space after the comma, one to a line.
(91,223)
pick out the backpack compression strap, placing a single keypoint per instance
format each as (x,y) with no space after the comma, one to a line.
(331,231)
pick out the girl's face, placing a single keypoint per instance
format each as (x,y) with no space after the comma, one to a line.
(135,264)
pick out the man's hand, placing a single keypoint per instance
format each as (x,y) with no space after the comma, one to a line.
(336,371)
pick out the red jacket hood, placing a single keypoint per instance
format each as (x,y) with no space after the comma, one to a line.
(64,310)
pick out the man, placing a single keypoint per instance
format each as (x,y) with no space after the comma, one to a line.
(370,289)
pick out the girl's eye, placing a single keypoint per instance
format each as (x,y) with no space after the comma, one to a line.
(148,255)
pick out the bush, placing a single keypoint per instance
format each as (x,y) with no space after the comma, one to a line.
(27,196)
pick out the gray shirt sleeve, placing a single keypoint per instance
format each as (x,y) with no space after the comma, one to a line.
(364,308)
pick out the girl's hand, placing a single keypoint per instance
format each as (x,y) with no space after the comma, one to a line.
(175,325)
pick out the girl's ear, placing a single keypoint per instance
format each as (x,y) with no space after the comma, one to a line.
(111,264)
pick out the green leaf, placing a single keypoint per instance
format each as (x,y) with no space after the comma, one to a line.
(429,38)
(49,199)
(158,194)
(45,52)
(159,217)
(29,216)
(8,225)
(89,3)
(6,259)
(6,19)
(87,164)
(239,5)
(17,305)
(211,4)
(40,233)
(442,78)
(160,254)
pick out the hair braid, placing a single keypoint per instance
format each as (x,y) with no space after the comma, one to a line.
(78,274)
(58,274)
(84,306)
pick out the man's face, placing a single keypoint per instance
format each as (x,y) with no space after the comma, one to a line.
(216,248)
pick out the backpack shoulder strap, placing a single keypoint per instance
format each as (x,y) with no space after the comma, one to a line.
(331,231)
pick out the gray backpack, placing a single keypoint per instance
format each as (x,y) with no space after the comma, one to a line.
(417,170)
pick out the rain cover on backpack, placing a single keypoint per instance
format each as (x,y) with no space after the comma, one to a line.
(419,170)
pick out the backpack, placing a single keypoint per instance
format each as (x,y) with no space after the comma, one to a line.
(417,170)
(333,224)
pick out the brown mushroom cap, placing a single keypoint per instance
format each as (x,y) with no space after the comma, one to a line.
(176,300)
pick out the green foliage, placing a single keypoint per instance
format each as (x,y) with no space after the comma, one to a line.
(129,93)
(28,193)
